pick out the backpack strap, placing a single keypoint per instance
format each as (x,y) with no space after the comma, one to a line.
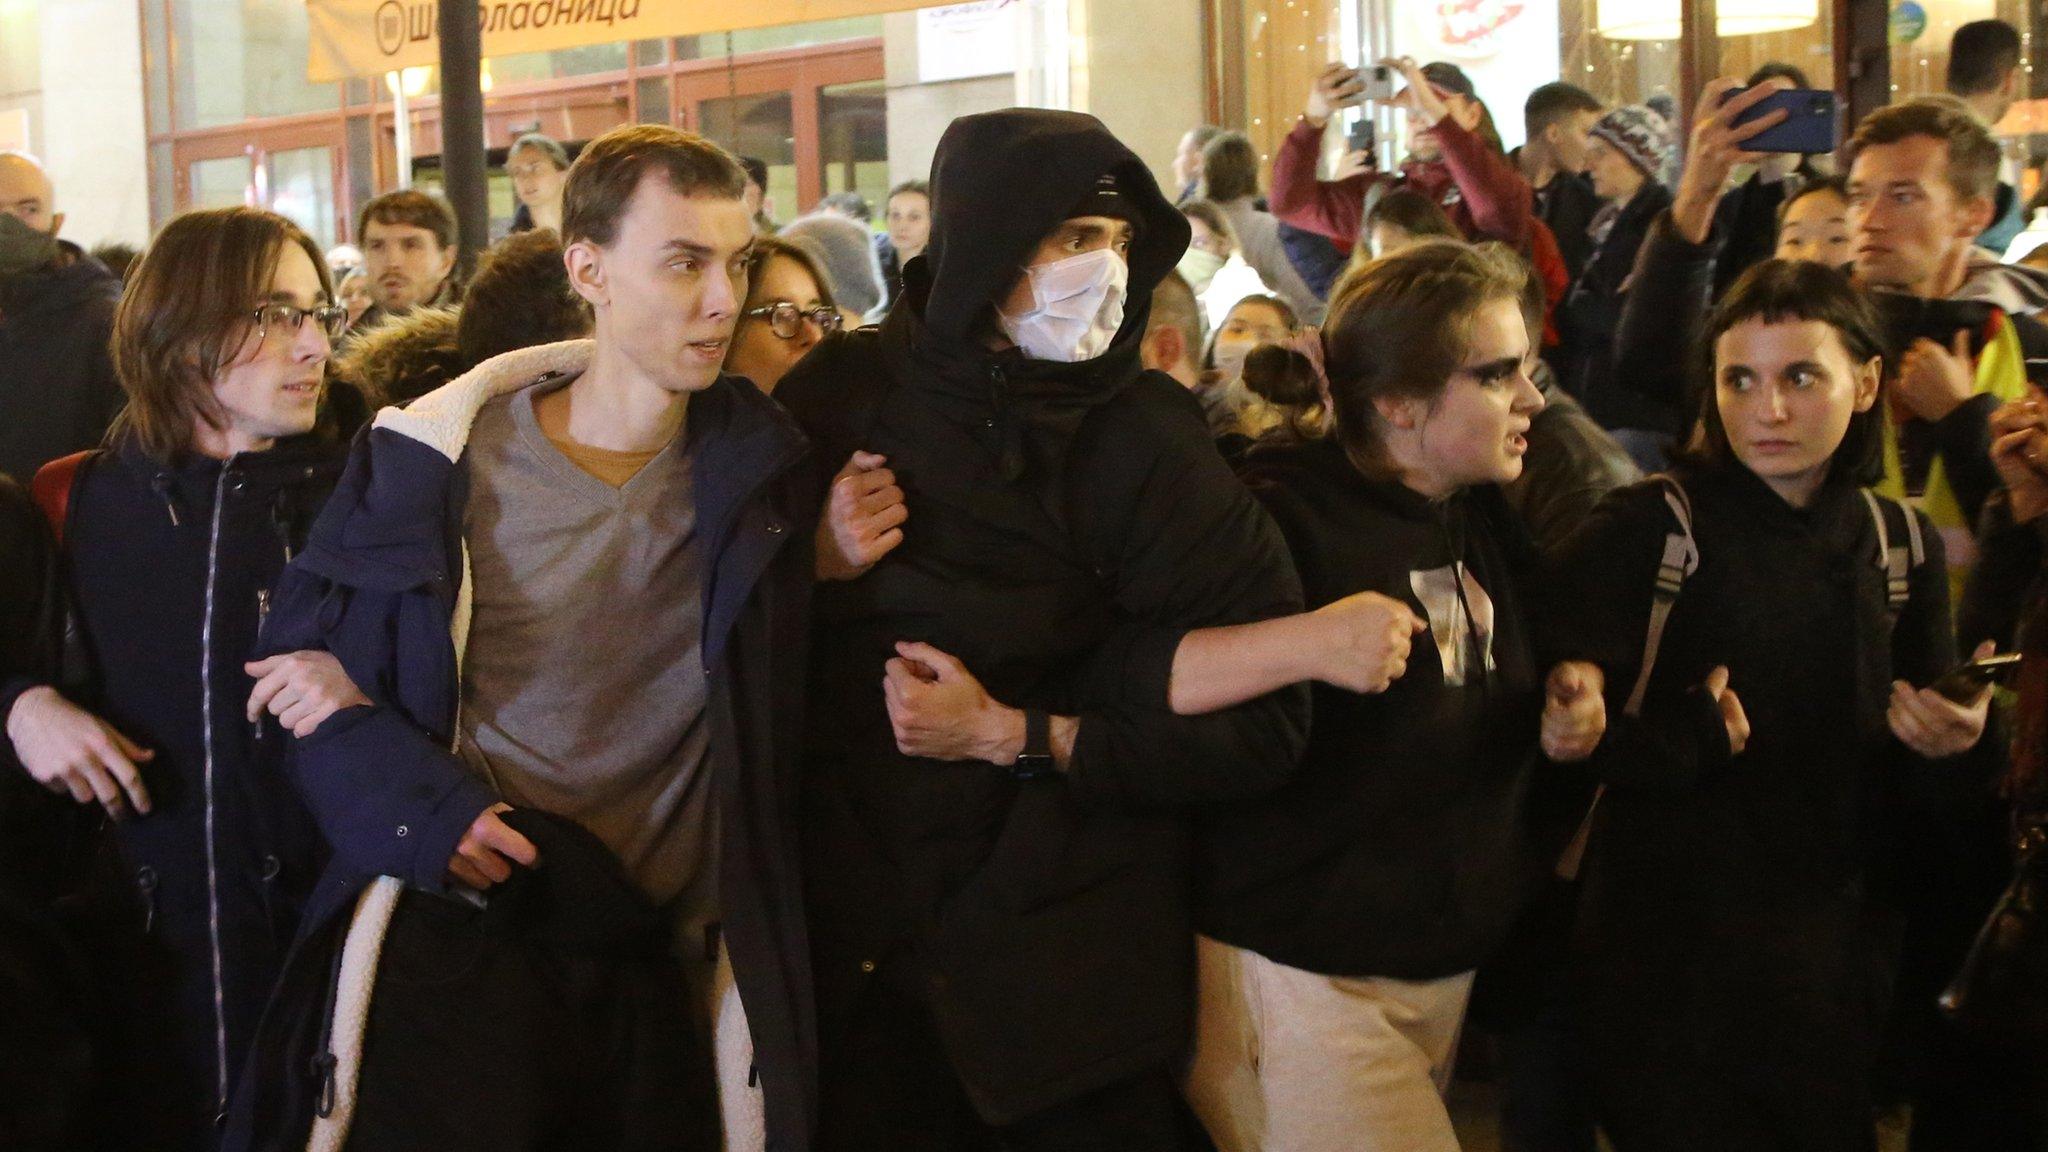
(1898,564)
(52,486)
(1681,558)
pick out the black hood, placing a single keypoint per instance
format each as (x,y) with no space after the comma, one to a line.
(1000,182)
(57,288)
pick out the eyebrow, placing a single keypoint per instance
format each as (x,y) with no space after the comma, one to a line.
(1504,364)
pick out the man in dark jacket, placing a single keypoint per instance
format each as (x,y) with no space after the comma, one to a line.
(567,582)
(1556,118)
(171,539)
(1001,926)
(1630,147)
(57,387)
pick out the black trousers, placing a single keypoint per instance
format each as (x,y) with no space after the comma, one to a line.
(886,1084)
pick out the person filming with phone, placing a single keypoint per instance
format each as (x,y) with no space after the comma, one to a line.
(1455,158)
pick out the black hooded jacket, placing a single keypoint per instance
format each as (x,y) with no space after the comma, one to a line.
(1068,523)
(57,385)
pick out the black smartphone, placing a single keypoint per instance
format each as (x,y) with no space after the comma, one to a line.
(1962,683)
(1362,137)
(1907,318)
(1808,126)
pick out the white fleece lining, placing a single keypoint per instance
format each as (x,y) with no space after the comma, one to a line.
(442,420)
(352,1007)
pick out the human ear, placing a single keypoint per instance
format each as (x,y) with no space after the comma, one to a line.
(585,262)
(1868,375)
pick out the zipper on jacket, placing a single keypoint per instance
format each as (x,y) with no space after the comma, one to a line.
(262,616)
(220,1023)
(161,485)
(145,883)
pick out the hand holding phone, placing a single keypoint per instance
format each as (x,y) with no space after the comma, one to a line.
(1808,125)
(1965,681)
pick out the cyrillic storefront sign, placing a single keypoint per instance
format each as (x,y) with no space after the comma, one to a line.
(366,37)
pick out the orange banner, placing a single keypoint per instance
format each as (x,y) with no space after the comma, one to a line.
(367,37)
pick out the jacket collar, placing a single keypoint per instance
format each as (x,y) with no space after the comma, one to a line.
(442,419)
(394,521)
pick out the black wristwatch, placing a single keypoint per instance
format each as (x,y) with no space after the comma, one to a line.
(1036,759)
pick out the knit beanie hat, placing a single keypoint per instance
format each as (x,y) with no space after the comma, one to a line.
(1641,135)
(846,252)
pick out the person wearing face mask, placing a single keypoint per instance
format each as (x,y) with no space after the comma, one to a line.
(57,385)
(998,906)
(1212,265)
(1226,401)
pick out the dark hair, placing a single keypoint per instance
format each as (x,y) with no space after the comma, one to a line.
(1412,212)
(520,297)
(1230,168)
(1174,305)
(1554,101)
(1212,218)
(1203,133)
(1777,291)
(603,179)
(756,170)
(1295,397)
(118,257)
(1397,328)
(411,207)
(1286,310)
(169,342)
(768,248)
(547,145)
(1287,313)
(1837,185)
(849,204)
(1981,55)
(921,187)
(1973,155)
(1778,70)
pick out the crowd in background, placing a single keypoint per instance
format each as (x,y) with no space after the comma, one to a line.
(1069,664)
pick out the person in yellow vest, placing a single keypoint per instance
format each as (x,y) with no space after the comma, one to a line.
(1922,178)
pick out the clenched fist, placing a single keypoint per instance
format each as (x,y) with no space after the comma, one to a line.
(1367,638)
(863,518)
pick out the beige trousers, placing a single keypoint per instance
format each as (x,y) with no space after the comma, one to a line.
(1290,1061)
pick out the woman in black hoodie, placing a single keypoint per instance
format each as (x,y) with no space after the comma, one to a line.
(1735,933)
(1342,915)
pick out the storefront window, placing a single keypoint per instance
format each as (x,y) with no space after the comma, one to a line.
(853,141)
(761,126)
(302,190)
(715,44)
(240,60)
(221,183)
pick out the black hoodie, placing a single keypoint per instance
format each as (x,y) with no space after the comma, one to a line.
(1400,849)
(1068,523)
(57,385)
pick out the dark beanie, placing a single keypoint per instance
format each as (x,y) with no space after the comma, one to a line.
(1106,198)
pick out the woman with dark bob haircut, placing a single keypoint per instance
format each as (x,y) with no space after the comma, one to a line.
(1737,930)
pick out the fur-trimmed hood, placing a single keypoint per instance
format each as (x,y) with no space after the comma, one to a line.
(401,357)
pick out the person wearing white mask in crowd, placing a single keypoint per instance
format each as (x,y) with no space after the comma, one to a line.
(1213,265)
(993,852)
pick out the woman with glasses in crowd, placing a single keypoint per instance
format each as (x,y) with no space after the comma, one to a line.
(171,538)
(788,310)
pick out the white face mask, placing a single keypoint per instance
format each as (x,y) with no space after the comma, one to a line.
(1077,305)
(1199,267)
